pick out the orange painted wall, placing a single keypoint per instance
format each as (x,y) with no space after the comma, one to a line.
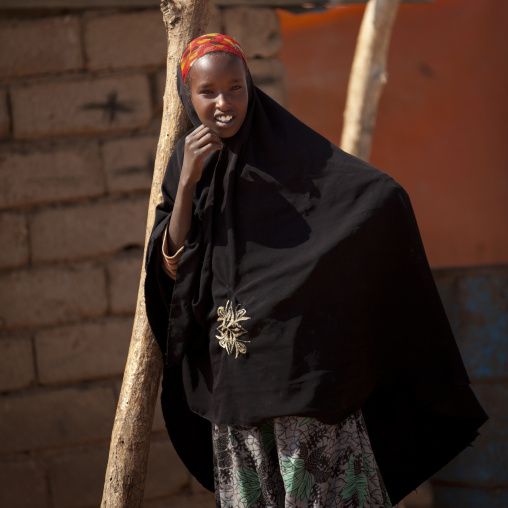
(442,124)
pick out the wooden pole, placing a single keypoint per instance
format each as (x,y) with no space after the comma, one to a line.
(130,441)
(368,76)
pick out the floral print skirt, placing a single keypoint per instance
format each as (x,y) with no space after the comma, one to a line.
(297,462)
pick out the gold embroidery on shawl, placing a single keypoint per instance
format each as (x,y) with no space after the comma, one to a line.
(230,329)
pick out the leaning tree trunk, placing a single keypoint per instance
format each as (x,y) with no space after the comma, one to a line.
(125,475)
(368,76)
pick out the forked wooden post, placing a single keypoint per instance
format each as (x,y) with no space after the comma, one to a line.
(130,441)
(368,77)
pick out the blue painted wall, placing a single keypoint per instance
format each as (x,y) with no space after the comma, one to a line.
(476,301)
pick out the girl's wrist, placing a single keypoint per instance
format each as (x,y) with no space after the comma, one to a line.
(187,184)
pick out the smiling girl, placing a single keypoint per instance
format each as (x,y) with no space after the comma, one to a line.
(308,358)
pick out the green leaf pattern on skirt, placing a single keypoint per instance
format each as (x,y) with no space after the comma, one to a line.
(250,486)
(297,462)
(296,478)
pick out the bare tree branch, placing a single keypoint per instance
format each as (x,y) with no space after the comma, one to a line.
(368,76)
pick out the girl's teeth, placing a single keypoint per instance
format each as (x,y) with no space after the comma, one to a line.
(224,118)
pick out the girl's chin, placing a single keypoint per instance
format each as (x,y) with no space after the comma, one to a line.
(224,129)
(225,132)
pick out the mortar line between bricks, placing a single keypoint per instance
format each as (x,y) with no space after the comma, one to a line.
(100,148)
(107,280)
(80,385)
(34,359)
(56,451)
(9,113)
(51,143)
(87,321)
(49,483)
(29,225)
(81,32)
(105,197)
(70,264)
(42,78)
(152,84)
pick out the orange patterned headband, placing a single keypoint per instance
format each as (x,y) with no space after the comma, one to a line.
(206,44)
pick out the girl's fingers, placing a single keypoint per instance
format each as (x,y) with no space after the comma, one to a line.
(208,136)
(210,147)
(198,145)
(206,142)
(202,131)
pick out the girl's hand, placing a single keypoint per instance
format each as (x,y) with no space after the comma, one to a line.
(198,145)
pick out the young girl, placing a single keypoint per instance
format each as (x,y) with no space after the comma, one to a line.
(308,358)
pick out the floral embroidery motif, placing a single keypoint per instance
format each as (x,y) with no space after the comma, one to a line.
(230,329)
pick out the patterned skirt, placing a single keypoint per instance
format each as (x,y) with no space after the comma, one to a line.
(297,462)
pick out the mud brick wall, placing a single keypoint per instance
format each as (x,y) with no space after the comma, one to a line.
(80,110)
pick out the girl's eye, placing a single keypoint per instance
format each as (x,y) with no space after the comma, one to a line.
(236,87)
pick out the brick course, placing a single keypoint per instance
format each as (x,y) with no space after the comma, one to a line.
(124,276)
(88,230)
(13,239)
(166,473)
(215,24)
(158,419)
(65,173)
(16,363)
(83,351)
(113,41)
(40,46)
(45,419)
(270,76)
(183,501)
(160,87)
(68,473)
(256,30)
(23,484)
(129,163)
(51,295)
(81,106)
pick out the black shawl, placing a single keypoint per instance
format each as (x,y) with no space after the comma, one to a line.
(323,253)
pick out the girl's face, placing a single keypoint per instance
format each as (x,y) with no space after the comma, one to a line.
(218,87)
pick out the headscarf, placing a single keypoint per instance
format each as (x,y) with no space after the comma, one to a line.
(322,253)
(208,44)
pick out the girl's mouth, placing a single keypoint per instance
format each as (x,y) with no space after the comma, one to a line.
(224,120)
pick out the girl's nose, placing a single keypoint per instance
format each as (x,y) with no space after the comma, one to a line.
(222,100)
